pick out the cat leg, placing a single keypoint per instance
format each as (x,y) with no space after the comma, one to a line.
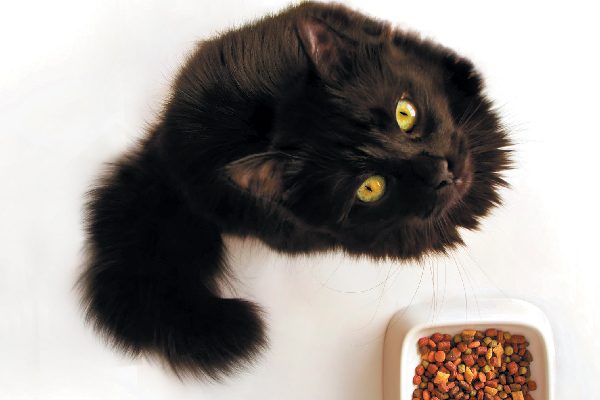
(150,281)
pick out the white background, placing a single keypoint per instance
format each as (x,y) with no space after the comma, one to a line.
(80,81)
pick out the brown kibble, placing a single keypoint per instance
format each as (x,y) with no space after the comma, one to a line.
(426,395)
(424,341)
(444,346)
(517,339)
(420,370)
(532,385)
(468,360)
(443,388)
(513,368)
(520,380)
(492,384)
(432,369)
(417,380)
(437,337)
(450,366)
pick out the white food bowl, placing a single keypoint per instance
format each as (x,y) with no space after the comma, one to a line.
(400,354)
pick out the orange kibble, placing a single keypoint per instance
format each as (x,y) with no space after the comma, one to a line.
(482,377)
(491,332)
(431,356)
(424,341)
(416,380)
(440,356)
(469,375)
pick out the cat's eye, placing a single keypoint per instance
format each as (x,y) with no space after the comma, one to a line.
(371,189)
(406,115)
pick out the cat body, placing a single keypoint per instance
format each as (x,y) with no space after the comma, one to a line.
(268,133)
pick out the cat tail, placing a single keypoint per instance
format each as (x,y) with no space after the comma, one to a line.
(149,284)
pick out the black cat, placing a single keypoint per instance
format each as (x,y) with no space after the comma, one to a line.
(317,129)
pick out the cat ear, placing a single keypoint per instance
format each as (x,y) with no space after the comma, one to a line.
(261,175)
(329,51)
(462,75)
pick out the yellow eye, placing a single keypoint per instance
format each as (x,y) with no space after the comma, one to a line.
(406,115)
(371,189)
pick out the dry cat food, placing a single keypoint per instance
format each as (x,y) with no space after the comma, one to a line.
(474,365)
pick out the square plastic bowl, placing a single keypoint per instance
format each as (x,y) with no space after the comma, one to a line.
(400,356)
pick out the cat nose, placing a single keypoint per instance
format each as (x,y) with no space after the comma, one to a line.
(444,176)
(434,172)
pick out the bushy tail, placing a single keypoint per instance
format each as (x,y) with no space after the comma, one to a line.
(150,281)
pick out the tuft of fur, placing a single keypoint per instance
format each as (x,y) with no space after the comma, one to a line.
(269,131)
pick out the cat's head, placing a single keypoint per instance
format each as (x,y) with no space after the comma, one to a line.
(389,144)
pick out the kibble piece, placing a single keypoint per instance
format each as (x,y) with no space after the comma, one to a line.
(517,395)
(490,390)
(440,356)
(441,378)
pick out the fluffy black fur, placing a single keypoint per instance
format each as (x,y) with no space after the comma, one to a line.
(269,131)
